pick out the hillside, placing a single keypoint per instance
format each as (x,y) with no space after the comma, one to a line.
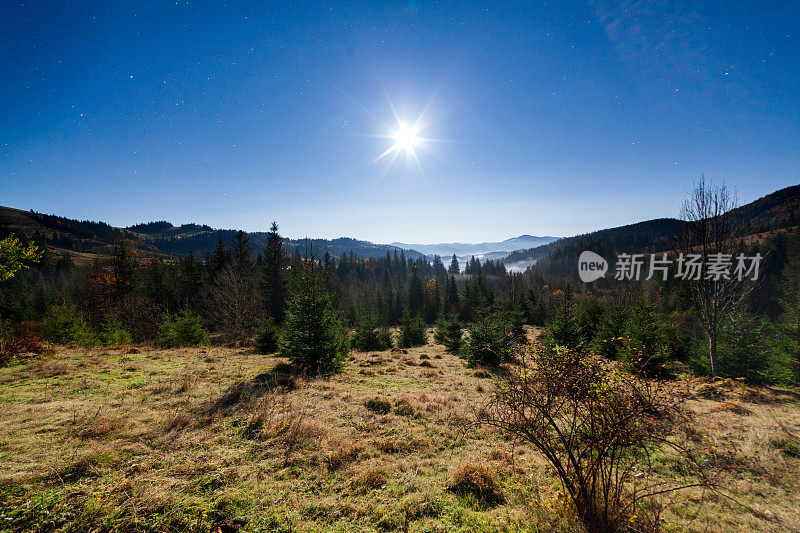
(774,212)
(162,237)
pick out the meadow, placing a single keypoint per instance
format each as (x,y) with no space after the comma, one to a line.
(221,439)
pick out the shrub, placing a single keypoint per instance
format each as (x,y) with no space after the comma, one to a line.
(596,425)
(412,331)
(266,338)
(478,481)
(378,405)
(313,337)
(8,342)
(112,333)
(449,333)
(490,342)
(369,337)
(183,329)
(745,351)
(62,323)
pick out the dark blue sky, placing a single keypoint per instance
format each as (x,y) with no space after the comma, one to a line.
(549,118)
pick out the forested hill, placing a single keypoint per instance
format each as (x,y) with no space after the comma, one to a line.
(777,211)
(205,239)
(162,238)
(642,237)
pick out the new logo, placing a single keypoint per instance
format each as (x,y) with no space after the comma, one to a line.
(591,266)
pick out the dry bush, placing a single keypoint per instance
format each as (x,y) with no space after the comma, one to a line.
(478,481)
(378,405)
(596,425)
(404,407)
(23,338)
(48,368)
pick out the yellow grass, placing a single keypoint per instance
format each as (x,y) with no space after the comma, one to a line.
(192,439)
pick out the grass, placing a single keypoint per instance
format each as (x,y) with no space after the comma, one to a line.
(199,438)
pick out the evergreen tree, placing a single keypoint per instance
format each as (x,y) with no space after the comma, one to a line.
(403,266)
(439,271)
(455,268)
(433,301)
(124,265)
(313,336)
(416,294)
(191,281)
(789,325)
(449,333)
(242,253)
(273,277)
(451,303)
(219,259)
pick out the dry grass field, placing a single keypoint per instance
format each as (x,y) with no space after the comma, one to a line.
(221,439)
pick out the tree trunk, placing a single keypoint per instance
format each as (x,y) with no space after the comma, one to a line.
(712,353)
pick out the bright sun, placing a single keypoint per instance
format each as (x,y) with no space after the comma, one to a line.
(406,138)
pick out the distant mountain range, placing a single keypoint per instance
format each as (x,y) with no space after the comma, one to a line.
(163,238)
(481,250)
(776,212)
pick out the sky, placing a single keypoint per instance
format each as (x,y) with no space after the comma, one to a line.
(542,118)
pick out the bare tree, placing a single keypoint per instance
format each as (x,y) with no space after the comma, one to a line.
(711,228)
(232,305)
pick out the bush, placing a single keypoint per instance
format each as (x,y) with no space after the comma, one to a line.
(112,333)
(490,342)
(62,323)
(745,351)
(369,337)
(412,331)
(313,337)
(183,329)
(266,338)
(449,333)
(597,426)
(378,405)
(478,481)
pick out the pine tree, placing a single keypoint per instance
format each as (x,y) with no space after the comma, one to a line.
(433,301)
(242,253)
(219,259)
(416,294)
(439,271)
(273,276)
(190,281)
(451,303)
(455,268)
(313,336)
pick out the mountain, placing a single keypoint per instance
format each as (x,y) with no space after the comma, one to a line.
(773,213)
(482,250)
(162,238)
